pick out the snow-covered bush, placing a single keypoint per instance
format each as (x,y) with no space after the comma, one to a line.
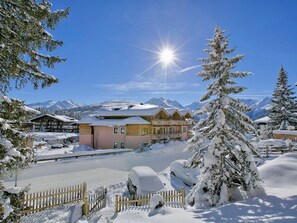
(156,201)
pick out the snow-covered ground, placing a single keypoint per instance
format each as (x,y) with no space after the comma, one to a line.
(98,170)
(278,205)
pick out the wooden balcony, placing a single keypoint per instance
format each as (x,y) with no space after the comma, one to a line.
(170,122)
(166,136)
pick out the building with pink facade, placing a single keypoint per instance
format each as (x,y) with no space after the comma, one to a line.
(134,126)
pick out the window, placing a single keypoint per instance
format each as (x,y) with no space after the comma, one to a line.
(184,128)
(122,145)
(123,130)
(115,130)
(144,131)
(115,145)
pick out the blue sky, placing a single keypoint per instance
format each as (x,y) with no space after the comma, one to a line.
(108,48)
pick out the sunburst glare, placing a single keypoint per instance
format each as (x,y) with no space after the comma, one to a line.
(167,56)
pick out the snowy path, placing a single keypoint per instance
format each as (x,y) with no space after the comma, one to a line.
(96,171)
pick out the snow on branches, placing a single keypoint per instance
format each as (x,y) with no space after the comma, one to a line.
(219,144)
(282,114)
(22,34)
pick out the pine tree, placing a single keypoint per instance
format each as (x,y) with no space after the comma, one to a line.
(23,33)
(23,36)
(283,104)
(219,144)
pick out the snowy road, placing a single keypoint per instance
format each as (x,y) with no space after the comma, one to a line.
(97,171)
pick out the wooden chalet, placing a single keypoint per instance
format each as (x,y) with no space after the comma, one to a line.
(54,123)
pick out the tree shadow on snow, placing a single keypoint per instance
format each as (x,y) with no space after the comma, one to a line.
(261,209)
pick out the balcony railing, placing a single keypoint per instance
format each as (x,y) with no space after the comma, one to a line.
(170,122)
(166,136)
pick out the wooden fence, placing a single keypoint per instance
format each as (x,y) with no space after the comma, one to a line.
(274,150)
(97,201)
(35,202)
(172,198)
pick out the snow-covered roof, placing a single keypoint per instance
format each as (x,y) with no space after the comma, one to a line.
(131,111)
(287,132)
(137,110)
(96,121)
(171,111)
(62,118)
(185,112)
(271,142)
(265,119)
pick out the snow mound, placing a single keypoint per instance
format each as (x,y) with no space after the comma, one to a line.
(165,214)
(280,172)
(81,148)
(156,201)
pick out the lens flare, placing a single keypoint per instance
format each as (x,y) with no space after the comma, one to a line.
(167,56)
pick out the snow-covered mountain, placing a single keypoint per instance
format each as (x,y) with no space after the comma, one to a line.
(166,103)
(264,103)
(194,106)
(53,105)
(260,107)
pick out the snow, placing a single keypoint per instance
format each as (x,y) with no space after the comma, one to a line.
(31,110)
(62,118)
(281,174)
(134,111)
(95,121)
(265,119)
(45,136)
(155,201)
(67,213)
(14,190)
(98,170)
(287,132)
(145,179)
(80,153)
(278,205)
(164,214)
(187,175)
(272,142)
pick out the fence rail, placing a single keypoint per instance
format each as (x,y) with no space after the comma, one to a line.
(39,201)
(97,201)
(172,198)
(35,202)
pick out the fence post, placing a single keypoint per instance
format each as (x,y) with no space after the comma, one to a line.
(267,150)
(183,196)
(116,203)
(85,207)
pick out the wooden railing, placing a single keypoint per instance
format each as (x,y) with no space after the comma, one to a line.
(35,202)
(171,198)
(170,122)
(166,136)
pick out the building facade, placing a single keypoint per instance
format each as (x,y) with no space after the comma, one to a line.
(133,127)
(54,123)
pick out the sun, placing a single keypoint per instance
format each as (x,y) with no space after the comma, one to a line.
(167,56)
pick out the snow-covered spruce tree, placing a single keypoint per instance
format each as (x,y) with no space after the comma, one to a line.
(14,155)
(283,104)
(219,144)
(23,35)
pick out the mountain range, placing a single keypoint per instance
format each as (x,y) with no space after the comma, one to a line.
(54,106)
(259,107)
